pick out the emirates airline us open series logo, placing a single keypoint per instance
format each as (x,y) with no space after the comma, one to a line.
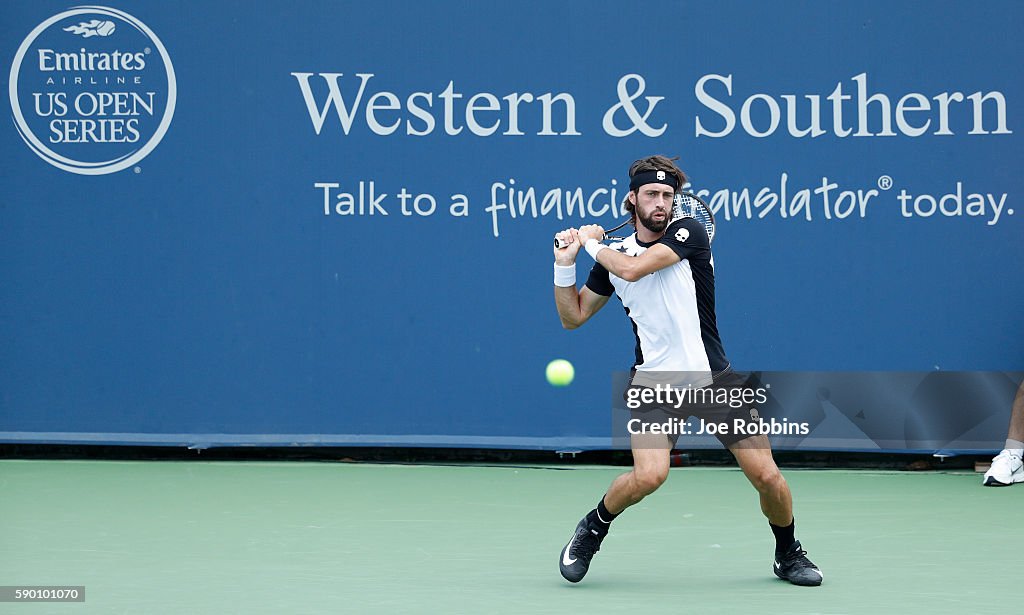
(92,90)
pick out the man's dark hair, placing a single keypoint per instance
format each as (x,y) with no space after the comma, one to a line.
(655,163)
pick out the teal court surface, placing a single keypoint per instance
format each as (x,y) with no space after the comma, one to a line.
(300,537)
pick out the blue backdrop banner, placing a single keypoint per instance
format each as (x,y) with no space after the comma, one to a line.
(330,222)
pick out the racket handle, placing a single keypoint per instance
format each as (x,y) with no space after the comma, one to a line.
(560,244)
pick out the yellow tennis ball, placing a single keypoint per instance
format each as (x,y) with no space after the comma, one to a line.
(560,373)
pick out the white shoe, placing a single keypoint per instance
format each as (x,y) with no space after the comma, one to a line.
(1006,469)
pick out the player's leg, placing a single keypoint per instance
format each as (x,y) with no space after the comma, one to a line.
(754,456)
(651,461)
(1007,467)
(650,469)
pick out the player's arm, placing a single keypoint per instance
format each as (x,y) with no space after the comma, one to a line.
(629,268)
(576,307)
(633,268)
(683,239)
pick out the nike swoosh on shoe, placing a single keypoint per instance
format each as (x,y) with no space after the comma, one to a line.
(565,556)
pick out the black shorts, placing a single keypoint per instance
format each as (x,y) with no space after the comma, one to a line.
(728,408)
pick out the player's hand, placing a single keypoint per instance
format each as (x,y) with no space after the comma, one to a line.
(567,255)
(590,231)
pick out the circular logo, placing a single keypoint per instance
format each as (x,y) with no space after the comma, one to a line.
(92,90)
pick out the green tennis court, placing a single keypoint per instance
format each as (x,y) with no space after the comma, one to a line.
(225,537)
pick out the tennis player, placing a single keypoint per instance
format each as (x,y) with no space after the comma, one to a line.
(664,276)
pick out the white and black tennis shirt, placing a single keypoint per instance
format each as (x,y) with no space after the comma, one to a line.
(672,309)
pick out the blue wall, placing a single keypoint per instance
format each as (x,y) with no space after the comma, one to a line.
(202,295)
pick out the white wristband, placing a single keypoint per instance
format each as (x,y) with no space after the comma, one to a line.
(565,275)
(594,246)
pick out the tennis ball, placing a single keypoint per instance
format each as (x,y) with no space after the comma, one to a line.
(560,373)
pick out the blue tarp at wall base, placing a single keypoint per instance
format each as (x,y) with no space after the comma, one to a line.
(335,219)
(205,441)
(946,413)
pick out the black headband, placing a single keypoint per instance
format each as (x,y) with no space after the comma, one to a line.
(653,177)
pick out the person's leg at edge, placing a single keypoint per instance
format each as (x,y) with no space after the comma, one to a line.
(1008,466)
(1015,436)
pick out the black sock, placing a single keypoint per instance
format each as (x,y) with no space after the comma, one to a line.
(600,517)
(784,538)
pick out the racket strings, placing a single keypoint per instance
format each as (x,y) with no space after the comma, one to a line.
(689,206)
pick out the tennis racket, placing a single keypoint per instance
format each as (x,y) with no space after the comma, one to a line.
(684,205)
(689,205)
(607,235)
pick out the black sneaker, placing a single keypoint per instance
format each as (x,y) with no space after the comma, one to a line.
(576,556)
(794,567)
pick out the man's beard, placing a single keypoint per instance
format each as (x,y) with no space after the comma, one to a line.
(655,226)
